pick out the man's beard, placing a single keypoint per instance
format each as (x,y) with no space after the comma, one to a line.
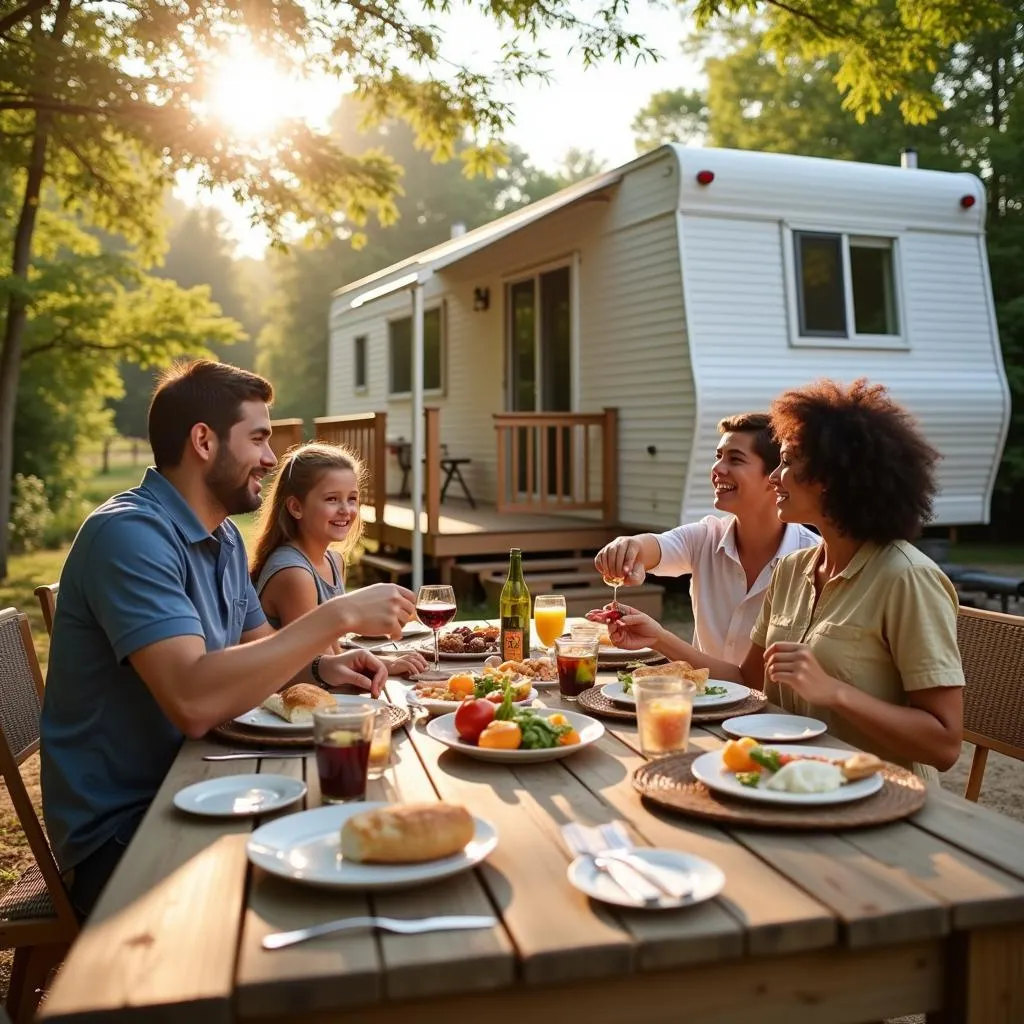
(223,482)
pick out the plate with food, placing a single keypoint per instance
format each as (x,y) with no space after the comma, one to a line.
(792,775)
(291,710)
(443,697)
(514,735)
(710,692)
(413,628)
(541,671)
(371,845)
(464,643)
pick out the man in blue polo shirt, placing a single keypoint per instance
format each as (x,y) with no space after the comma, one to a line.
(158,632)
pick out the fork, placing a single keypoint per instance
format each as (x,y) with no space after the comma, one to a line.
(587,842)
(619,846)
(278,940)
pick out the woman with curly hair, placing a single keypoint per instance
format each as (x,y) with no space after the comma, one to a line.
(859,631)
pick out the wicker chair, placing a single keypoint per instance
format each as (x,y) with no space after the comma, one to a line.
(36,917)
(992,651)
(46,595)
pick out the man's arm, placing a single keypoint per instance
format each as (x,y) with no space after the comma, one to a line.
(198,690)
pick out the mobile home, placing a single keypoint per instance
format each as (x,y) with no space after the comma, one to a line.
(684,286)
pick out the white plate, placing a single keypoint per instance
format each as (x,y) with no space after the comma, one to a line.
(261,718)
(775,728)
(734,693)
(412,628)
(604,651)
(427,650)
(305,848)
(708,768)
(590,730)
(239,795)
(706,879)
(447,707)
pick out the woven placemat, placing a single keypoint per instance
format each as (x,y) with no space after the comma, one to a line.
(670,783)
(235,732)
(594,700)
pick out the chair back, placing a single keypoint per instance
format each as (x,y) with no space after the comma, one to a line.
(992,651)
(21,691)
(21,686)
(46,595)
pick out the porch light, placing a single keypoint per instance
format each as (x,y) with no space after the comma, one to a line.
(705,177)
(481,300)
(967,201)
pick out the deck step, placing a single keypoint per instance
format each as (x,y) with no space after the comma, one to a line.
(468,577)
(393,568)
(582,591)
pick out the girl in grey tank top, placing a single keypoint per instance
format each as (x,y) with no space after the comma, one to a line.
(313,503)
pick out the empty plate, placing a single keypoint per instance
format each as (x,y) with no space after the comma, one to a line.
(239,795)
(775,728)
(703,879)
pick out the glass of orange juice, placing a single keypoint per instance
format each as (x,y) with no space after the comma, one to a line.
(549,618)
(664,707)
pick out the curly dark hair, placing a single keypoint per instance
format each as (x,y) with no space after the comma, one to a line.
(876,469)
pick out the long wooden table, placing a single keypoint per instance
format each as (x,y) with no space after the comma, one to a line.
(828,928)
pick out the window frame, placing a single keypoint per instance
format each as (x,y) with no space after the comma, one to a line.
(442,347)
(360,388)
(899,341)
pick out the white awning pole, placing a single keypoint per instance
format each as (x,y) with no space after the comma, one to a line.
(417,436)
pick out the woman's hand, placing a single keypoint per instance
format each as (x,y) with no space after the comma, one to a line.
(795,666)
(354,668)
(634,630)
(409,663)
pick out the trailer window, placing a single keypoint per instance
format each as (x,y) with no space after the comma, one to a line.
(359,374)
(400,353)
(845,288)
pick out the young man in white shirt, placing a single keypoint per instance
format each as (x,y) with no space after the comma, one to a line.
(730,557)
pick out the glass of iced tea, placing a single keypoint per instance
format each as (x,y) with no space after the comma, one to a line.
(342,736)
(577,665)
(664,707)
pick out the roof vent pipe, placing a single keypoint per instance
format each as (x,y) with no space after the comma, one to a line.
(458,228)
(908,159)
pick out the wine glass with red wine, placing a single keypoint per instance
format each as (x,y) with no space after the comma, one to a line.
(435,607)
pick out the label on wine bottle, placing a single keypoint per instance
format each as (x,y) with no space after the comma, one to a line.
(512,639)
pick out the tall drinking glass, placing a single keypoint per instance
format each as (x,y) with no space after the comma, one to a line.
(549,618)
(664,707)
(435,607)
(341,736)
(577,665)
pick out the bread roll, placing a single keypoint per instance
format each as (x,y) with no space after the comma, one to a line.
(860,766)
(680,669)
(297,703)
(406,833)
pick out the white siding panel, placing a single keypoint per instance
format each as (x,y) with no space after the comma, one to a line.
(951,378)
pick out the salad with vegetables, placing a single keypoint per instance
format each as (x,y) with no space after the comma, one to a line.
(626,678)
(489,684)
(507,727)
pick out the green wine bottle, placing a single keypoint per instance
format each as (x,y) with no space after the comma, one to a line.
(514,609)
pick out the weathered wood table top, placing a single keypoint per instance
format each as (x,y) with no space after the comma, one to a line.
(821,928)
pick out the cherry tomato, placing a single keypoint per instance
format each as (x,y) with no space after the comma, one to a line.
(472,717)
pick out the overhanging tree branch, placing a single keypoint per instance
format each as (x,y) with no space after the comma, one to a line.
(8,21)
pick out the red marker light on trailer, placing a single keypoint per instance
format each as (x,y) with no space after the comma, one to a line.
(705,177)
(967,202)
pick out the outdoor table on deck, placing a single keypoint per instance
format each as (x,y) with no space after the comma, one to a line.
(818,928)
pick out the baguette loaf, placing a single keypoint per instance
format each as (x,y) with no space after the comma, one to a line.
(406,833)
(297,703)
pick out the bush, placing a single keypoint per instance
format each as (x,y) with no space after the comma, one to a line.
(31,515)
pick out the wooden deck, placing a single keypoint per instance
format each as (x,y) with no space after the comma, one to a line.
(462,530)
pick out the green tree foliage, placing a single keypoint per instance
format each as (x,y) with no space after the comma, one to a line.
(766,99)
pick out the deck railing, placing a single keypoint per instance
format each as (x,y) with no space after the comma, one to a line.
(286,434)
(550,462)
(366,435)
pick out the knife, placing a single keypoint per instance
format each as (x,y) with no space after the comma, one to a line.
(278,940)
(256,754)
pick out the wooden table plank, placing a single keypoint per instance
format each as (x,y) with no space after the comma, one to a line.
(804,988)
(557,932)
(777,916)
(164,933)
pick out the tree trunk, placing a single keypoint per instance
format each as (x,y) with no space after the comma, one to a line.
(17,306)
